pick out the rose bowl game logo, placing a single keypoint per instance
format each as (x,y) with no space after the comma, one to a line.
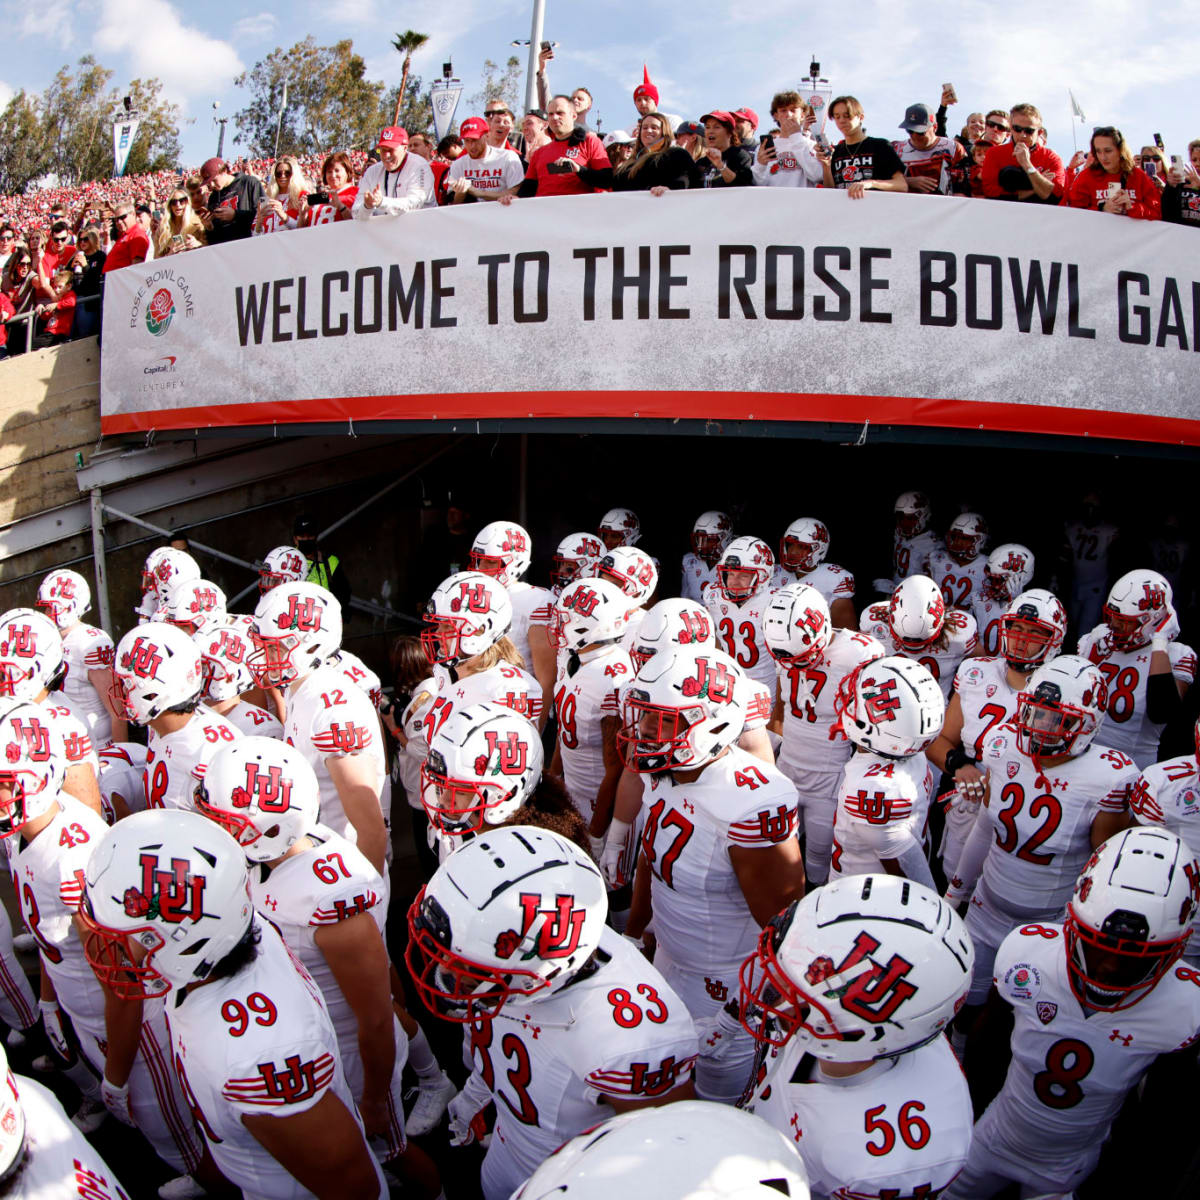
(159,312)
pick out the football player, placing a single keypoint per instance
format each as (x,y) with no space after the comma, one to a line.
(224,662)
(575,558)
(958,567)
(912,541)
(985,695)
(636,574)
(737,602)
(710,535)
(848,992)
(158,683)
(297,629)
(167,909)
(285,564)
(66,597)
(813,659)
(1051,795)
(719,855)
(1088,541)
(502,550)
(1096,999)
(1147,670)
(891,709)
(565,1021)
(162,568)
(915,623)
(1006,574)
(802,551)
(619,527)
(50,838)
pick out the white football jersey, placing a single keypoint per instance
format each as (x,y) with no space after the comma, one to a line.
(254,721)
(502,684)
(910,555)
(60,1163)
(832,581)
(48,874)
(1070,1071)
(941,661)
(582,701)
(1126,725)
(986,700)
(328,717)
(988,611)
(696,576)
(1042,819)
(902,1127)
(618,1030)
(882,808)
(176,761)
(258,1043)
(87,648)
(122,773)
(495,171)
(959,581)
(359,674)
(531,606)
(808,693)
(738,631)
(1168,794)
(700,914)
(72,729)
(1089,545)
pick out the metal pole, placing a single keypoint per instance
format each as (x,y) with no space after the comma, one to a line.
(170,533)
(221,136)
(535,48)
(101,569)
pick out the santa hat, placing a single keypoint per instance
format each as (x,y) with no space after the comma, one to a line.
(646,88)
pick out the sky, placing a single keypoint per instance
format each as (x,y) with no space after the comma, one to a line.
(1128,63)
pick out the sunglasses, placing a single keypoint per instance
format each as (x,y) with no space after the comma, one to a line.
(997,125)
(177,201)
(283,174)
(1029,130)
(60,238)
(498,112)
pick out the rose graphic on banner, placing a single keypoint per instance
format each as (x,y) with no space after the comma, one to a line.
(159,312)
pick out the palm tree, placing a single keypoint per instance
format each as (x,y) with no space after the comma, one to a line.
(406,43)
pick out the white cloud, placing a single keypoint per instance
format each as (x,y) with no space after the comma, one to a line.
(51,19)
(6,94)
(156,43)
(252,28)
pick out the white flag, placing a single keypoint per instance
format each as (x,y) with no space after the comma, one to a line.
(125,130)
(1075,106)
(444,95)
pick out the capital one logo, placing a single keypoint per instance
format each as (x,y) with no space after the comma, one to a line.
(562,926)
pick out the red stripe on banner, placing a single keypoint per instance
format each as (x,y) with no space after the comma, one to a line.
(717,406)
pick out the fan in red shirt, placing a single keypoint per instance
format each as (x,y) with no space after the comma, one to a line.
(572,164)
(337,199)
(1023,169)
(1111,183)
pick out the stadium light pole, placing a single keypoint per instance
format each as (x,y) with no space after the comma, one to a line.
(535,48)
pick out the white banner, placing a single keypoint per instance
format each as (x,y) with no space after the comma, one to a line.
(817,96)
(444,94)
(125,129)
(768,303)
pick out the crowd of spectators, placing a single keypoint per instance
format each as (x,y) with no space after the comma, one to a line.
(57,243)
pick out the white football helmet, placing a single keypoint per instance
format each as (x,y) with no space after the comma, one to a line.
(33,764)
(589,611)
(796,625)
(172,883)
(1008,570)
(632,570)
(193,605)
(65,596)
(1130,917)
(710,535)
(285,564)
(575,558)
(916,613)
(225,654)
(297,627)
(619,527)
(467,614)
(12,1123)
(1138,606)
(164,566)
(31,654)
(745,556)
(913,512)
(966,537)
(681,710)
(804,544)
(1061,709)
(263,793)
(501,550)
(673,622)
(866,967)
(891,706)
(157,667)
(694,1148)
(483,764)
(510,917)
(1033,629)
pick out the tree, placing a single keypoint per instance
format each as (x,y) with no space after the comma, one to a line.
(506,87)
(23,157)
(406,43)
(331,105)
(416,112)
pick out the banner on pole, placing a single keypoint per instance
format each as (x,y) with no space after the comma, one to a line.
(125,129)
(771,303)
(444,94)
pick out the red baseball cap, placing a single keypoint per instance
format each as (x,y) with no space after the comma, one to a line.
(747,114)
(393,135)
(473,127)
(719,114)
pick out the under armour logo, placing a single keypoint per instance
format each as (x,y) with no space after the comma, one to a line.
(1118,1036)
